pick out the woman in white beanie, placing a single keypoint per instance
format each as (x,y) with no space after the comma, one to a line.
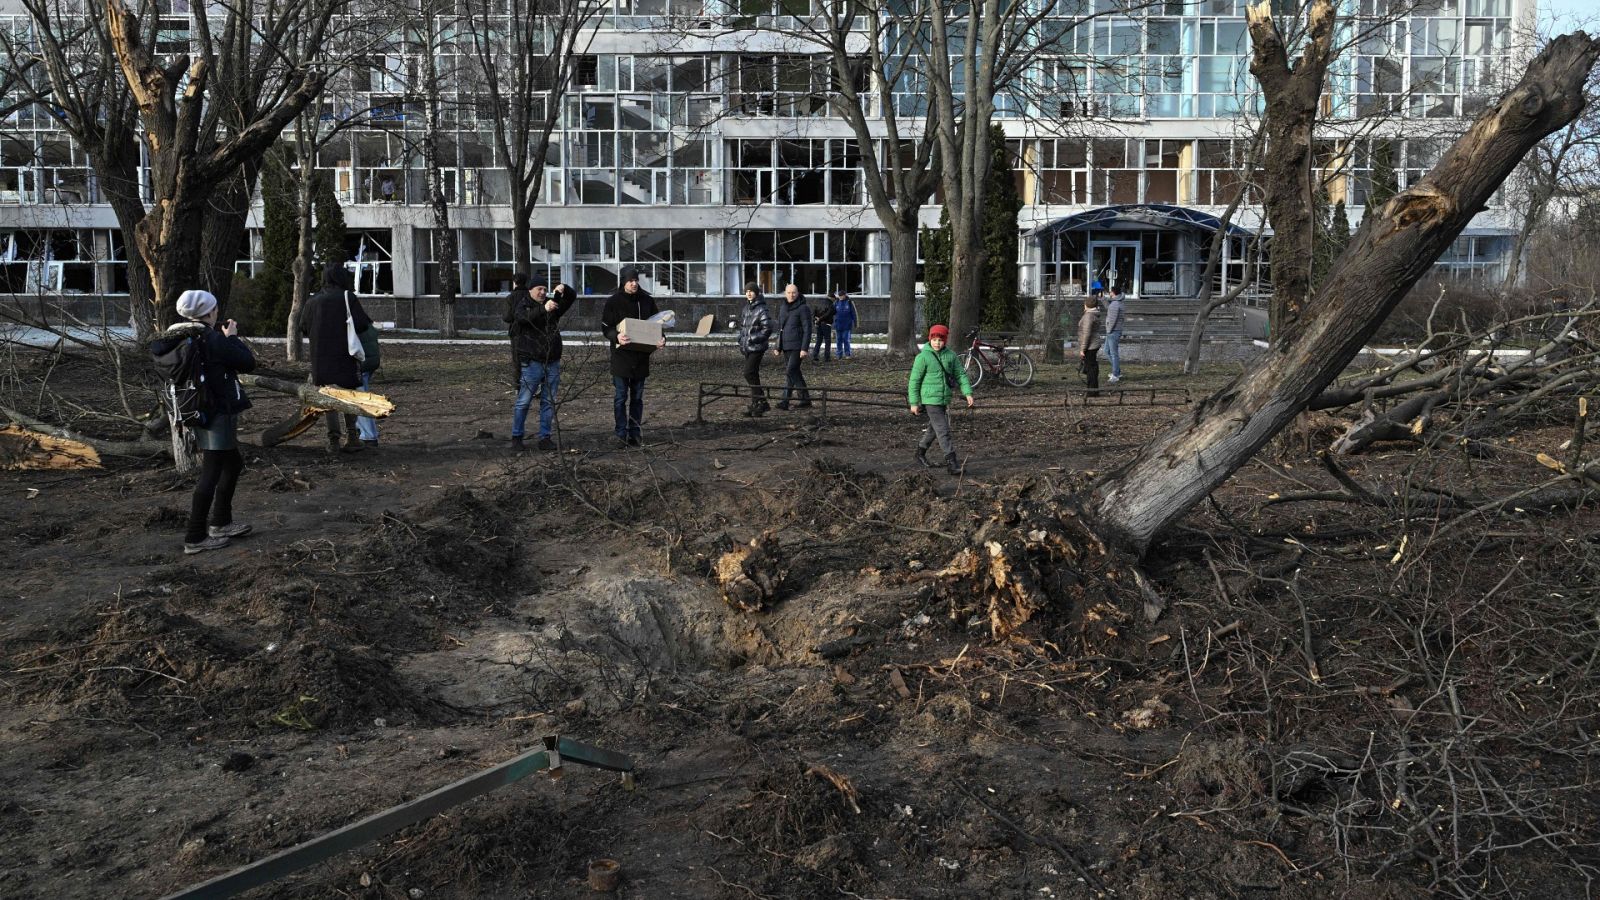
(222,358)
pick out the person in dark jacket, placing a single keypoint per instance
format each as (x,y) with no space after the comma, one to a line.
(755,333)
(536,334)
(211,525)
(844,322)
(331,363)
(822,350)
(630,366)
(519,291)
(794,336)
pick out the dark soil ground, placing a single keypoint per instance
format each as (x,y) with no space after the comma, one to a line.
(1379,699)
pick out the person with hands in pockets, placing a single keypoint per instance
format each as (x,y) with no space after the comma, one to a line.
(935,373)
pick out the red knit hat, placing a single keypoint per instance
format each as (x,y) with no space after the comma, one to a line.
(938,331)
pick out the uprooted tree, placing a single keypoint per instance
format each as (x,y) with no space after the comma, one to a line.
(1392,250)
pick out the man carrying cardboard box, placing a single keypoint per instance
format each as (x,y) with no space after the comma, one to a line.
(630,365)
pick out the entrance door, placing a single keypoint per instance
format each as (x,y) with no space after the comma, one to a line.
(1115,262)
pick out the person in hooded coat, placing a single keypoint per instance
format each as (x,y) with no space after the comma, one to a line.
(323,321)
(224,357)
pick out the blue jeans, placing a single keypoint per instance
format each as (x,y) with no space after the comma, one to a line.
(844,341)
(367,425)
(543,379)
(1113,338)
(627,407)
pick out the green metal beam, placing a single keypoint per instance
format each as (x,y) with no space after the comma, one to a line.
(557,751)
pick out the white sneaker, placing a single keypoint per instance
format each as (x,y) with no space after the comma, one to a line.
(1114,379)
(236,529)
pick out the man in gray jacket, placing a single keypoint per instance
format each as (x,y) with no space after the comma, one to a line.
(1114,333)
(794,336)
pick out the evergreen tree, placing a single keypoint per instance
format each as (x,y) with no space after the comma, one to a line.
(328,238)
(1333,235)
(271,295)
(936,271)
(1385,180)
(1001,308)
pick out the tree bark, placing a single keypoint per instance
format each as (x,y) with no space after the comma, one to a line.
(1176,471)
(903,290)
(1292,92)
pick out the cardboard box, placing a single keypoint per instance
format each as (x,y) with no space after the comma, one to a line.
(707,322)
(643,335)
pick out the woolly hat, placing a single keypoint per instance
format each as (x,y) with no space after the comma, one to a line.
(537,280)
(938,331)
(629,273)
(196,304)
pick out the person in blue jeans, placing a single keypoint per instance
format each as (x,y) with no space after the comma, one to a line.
(535,320)
(844,322)
(1113,344)
(367,425)
(630,366)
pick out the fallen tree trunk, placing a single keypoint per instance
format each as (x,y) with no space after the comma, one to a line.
(1393,249)
(144,449)
(22,449)
(328,399)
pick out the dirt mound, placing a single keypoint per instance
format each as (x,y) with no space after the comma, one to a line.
(297,639)
(145,663)
(806,825)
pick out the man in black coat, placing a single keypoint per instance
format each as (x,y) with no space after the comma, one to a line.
(794,336)
(323,321)
(630,366)
(755,333)
(822,351)
(535,322)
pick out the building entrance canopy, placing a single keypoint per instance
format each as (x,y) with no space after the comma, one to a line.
(1149,249)
(1154,215)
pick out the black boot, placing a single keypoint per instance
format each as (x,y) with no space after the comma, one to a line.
(517,445)
(952,464)
(922,456)
(761,408)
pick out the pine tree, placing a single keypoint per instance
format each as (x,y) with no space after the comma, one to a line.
(1001,309)
(936,271)
(1333,235)
(328,239)
(272,294)
(1385,180)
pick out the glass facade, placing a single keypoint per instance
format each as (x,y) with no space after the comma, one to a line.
(727,161)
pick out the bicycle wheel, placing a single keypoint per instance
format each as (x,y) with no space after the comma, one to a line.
(1019,368)
(974,367)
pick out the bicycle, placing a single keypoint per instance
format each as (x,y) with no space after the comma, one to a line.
(1015,366)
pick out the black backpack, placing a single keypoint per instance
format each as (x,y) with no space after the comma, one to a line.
(188,395)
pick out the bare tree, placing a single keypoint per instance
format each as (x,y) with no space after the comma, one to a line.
(976,54)
(1568,159)
(870,49)
(527,54)
(208,118)
(433,21)
(76,75)
(1394,247)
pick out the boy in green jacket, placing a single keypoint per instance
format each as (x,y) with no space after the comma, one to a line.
(933,373)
